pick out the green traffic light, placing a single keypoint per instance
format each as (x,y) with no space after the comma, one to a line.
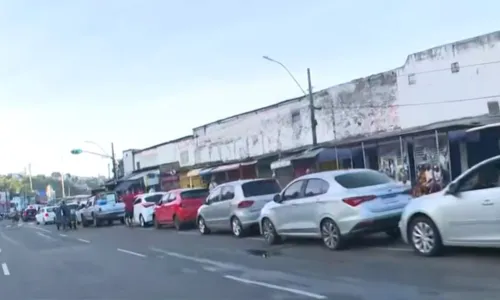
(76,151)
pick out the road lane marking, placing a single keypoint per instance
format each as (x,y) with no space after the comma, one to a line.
(63,235)
(255,238)
(391,249)
(42,229)
(5,269)
(83,241)
(0,250)
(276,287)
(9,239)
(131,252)
(45,236)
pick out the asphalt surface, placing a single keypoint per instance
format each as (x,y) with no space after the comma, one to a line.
(118,262)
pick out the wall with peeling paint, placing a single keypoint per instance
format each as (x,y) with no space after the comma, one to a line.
(359,107)
(180,150)
(433,81)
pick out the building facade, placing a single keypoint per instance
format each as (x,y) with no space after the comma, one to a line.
(447,82)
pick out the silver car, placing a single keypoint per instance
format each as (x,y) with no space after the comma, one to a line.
(236,205)
(465,213)
(334,206)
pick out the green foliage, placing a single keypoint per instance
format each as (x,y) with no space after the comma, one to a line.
(72,184)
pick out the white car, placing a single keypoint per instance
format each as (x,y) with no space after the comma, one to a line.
(46,215)
(144,207)
(465,213)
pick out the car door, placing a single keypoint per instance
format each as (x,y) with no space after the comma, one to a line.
(309,206)
(87,212)
(161,207)
(473,213)
(209,213)
(222,208)
(171,207)
(137,209)
(286,212)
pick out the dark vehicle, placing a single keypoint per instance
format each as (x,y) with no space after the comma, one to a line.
(65,222)
(29,214)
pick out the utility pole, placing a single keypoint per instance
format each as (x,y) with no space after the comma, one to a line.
(29,176)
(312,110)
(62,186)
(115,173)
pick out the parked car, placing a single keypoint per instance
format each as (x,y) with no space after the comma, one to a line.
(29,214)
(45,215)
(179,207)
(236,206)
(103,208)
(465,213)
(334,206)
(144,207)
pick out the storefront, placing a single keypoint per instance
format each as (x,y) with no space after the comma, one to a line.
(169,177)
(142,181)
(193,179)
(393,160)
(231,172)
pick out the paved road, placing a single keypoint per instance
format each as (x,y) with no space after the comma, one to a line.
(131,263)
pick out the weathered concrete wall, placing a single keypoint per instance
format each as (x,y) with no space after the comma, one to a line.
(454,95)
(128,162)
(362,106)
(181,150)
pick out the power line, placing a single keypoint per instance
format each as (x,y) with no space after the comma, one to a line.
(448,69)
(415,104)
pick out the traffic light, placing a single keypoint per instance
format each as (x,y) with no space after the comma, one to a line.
(76,151)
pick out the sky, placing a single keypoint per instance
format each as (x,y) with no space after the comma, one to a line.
(141,72)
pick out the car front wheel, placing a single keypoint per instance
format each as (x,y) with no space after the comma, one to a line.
(202,226)
(269,232)
(424,237)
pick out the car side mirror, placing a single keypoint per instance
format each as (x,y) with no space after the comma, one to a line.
(207,201)
(452,189)
(277,198)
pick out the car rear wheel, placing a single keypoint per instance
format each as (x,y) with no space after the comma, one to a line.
(141,221)
(331,236)
(178,224)
(202,226)
(157,224)
(424,237)
(269,232)
(237,227)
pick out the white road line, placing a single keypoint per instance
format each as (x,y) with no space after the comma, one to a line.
(5,269)
(42,229)
(63,235)
(45,236)
(276,287)
(391,249)
(84,241)
(131,252)
(255,238)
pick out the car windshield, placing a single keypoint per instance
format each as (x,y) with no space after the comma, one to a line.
(195,194)
(354,180)
(260,188)
(49,209)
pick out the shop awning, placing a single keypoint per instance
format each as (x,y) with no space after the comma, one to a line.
(193,173)
(140,175)
(125,185)
(320,154)
(231,167)
(205,171)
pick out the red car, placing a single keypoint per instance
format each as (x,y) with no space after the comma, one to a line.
(179,207)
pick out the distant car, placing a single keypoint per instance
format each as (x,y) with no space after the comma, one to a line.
(29,214)
(334,206)
(46,215)
(465,213)
(235,206)
(179,207)
(144,207)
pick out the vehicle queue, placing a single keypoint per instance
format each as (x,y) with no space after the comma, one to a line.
(333,206)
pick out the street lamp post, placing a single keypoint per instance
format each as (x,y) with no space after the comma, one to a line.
(312,108)
(78,151)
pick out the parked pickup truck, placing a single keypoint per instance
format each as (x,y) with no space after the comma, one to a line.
(102,208)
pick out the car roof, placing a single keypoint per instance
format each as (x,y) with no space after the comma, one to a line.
(243,181)
(331,174)
(186,189)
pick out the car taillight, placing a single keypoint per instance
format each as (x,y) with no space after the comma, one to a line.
(25,213)
(355,201)
(46,214)
(148,204)
(245,204)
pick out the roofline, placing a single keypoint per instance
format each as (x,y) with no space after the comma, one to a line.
(165,143)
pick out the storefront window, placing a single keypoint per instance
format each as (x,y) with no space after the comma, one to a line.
(393,161)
